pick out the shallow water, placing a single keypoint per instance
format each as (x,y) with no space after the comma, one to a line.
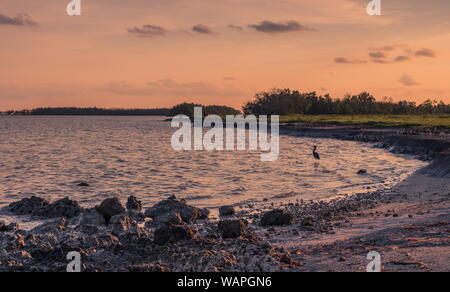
(50,156)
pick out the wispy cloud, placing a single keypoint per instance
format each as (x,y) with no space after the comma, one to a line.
(21,19)
(235,27)
(425,53)
(343,60)
(377,55)
(202,29)
(408,80)
(380,61)
(148,31)
(402,59)
(382,55)
(389,48)
(280,27)
(170,87)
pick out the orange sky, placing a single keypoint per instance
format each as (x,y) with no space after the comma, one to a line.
(156,53)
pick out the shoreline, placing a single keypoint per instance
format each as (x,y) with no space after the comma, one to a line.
(424,144)
(418,203)
(407,225)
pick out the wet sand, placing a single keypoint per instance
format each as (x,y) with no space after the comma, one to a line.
(408,227)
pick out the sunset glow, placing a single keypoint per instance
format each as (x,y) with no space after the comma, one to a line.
(155,53)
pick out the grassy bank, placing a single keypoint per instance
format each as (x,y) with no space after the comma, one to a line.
(383,121)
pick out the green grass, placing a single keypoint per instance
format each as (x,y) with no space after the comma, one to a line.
(374,121)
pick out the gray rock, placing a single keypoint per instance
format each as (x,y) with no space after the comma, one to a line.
(92,217)
(28,205)
(105,240)
(121,247)
(110,207)
(226,211)
(148,268)
(13,227)
(204,213)
(134,204)
(231,228)
(62,208)
(173,233)
(2,226)
(50,227)
(362,171)
(170,218)
(307,221)
(188,214)
(89,229)
(276,217)
(136,216)
(121,223)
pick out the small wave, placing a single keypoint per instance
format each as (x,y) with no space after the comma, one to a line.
(234,178)
(286,195)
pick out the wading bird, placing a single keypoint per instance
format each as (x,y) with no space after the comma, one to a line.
(315,154)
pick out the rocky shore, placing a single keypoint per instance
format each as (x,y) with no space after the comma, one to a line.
(174,236)
(170,236)
(407,225)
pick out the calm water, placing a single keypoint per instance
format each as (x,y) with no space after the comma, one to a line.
(49,156)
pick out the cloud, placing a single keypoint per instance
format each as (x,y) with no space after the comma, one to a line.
(20,19)
(170,87)
(148,31)
(343,60)
(377,55)
(402,59)
(425,53)
(280,27)
(379,61)
(389,48)
(235,27)
(202,29)
(408,80)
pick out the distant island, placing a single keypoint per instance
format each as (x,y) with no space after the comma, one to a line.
(285,102)
(183,108)
(295,107)
(90,111)
(362,110)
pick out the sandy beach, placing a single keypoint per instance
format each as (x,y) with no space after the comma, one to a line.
(408,227)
